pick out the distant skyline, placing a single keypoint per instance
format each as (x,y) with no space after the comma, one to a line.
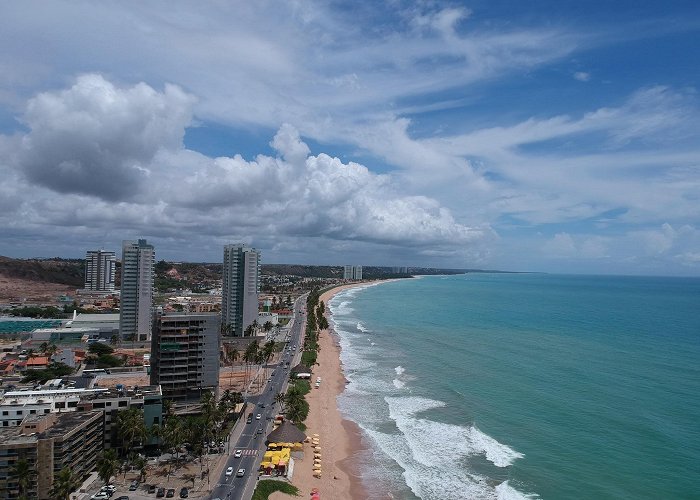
(526,136)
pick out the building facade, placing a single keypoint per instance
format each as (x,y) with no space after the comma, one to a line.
(352,273)
(185,355)
(240,290)
(49,443)
(135,313)
(100,269)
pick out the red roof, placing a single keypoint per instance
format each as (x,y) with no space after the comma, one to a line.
(38,361)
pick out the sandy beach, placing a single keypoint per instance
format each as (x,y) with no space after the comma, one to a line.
(339,438)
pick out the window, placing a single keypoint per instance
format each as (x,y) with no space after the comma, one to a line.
(19,412)
(5,412)
(32,412)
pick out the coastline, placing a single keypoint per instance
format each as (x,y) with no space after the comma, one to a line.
(340,439)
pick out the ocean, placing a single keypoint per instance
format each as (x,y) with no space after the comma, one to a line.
(511,386)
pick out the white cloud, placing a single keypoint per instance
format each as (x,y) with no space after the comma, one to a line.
(582,76)
(131,171)
(97,139)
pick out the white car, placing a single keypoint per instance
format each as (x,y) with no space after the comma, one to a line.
(240,473)
(258,416)
(238,454)
(229,471)
(102,495)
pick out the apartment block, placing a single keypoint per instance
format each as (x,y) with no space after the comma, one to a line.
(185,354)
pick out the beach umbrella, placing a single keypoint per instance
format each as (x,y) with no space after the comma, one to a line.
(315,435)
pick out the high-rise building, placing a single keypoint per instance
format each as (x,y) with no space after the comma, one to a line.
(241,286)
(49,443)
(352,273)
(135,313)
(100,267)
(185,354)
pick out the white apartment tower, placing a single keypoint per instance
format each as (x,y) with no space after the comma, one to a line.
(352,273)
(135,313)
(241,286)
(100,267)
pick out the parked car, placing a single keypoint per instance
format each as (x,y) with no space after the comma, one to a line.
(170,493)
(100,495)
(161,492)
(123,497)
(229,471)
(184,493)
(152,489)
(134,486)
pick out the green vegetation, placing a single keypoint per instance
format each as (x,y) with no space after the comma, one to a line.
(54,370)
(99,349)
(267,487)
(35,312)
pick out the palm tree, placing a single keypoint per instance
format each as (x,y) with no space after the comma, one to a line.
(249,357)
(131,428)
(141,464)
(107,464)
(279,398)
(269,350)
(64,483)
(43,347)
(24,473)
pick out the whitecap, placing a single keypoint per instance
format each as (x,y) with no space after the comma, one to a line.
(399,370)
(497,453)
(362,327)
(399,384)
(505,491)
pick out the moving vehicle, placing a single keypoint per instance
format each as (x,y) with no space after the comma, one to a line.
(238,454)
(240,473)
(259,430)
(229,471)
(258,416)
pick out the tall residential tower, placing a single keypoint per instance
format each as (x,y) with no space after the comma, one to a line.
(135,313)
(241,286)
(100,267)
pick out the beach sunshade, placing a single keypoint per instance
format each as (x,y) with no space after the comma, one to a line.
(315,435)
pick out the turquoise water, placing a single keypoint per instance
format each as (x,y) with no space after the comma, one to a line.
(525,385)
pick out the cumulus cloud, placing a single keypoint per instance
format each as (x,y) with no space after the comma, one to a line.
(112,158)
(582,76)
(98,139)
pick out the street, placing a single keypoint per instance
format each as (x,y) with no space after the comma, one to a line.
(251,441)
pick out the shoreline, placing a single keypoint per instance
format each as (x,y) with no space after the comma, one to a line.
(340,439)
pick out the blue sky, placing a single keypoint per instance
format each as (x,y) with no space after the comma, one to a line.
(536,136)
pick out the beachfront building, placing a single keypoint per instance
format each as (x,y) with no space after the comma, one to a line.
(352,273)
(135,313)
(241,286)
(100,270)
(49,443)
(185,354)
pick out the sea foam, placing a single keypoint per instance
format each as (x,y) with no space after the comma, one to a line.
(433,453)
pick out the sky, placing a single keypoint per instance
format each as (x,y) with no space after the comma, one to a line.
(551,136)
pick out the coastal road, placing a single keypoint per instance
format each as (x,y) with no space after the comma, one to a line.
(251,442)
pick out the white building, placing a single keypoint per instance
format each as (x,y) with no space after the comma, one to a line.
(241,286)
(135,313)
(100,269)
(352,273)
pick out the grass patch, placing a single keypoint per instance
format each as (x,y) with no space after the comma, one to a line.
(304,386)
(308,358)
(266,487)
